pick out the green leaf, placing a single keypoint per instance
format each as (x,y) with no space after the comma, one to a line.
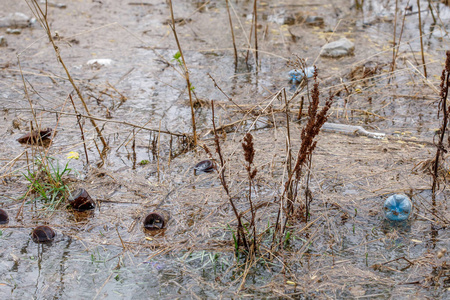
(177,55)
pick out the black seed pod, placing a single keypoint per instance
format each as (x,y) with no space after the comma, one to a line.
(43,234)
(81,201)
(3,217)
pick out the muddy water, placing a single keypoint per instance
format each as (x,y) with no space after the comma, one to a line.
(107,254)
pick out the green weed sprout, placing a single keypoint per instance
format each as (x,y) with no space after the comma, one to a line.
(48,182)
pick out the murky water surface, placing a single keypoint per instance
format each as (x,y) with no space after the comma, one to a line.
(349,250)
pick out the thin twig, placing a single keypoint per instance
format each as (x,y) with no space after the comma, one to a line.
(186,74)
(421,40)
(81,129)
(232,36)
(42,17)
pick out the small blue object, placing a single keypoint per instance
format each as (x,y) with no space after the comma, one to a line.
(296,76)
(397,207)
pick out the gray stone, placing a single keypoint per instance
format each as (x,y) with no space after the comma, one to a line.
(13,31)
(338,48)
(314,21)
(3,42)
(16,20)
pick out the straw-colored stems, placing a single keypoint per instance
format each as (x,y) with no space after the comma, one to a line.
(232,36)
(157,153)
(395,31)
(445,83)
(240,229)
(421,40)
(42,17)
(81,129)
(186,73)
(255,12)
(249,154)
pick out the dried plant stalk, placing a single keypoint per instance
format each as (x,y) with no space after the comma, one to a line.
(232,35)
(186,74)
(421,40)
(249,154)
(309,133)
(43,19)
(445,82)
(241,239)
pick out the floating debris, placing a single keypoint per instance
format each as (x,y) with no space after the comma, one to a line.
(4,219)
(156,265)
(296,76)
(100,62)
(80,200)
(351,130)
(35,136)
(43,234)
(338,48)
(205,166)
(155,220)
(397,207)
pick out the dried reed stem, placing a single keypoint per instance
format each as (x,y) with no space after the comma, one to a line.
(445,83)
(240,229)
(249,154)
(421,40)
(395,30)
(232,36)
(186,73)
(42,17)
(255,13)
(81,129)
(308,134)
(397,45)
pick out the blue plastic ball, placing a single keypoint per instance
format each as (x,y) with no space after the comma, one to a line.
(397,207)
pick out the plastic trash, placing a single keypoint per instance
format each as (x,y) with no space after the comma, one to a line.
(296,76)
(398,207)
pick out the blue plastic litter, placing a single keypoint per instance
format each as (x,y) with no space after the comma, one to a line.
(397,207)
(296,76)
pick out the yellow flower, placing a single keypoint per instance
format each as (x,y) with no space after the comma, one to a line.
(73,154)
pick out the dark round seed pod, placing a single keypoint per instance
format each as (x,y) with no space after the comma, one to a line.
(43,234)
(155,220)
(205,166)
(3,217)
(81,201)
(35,136)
